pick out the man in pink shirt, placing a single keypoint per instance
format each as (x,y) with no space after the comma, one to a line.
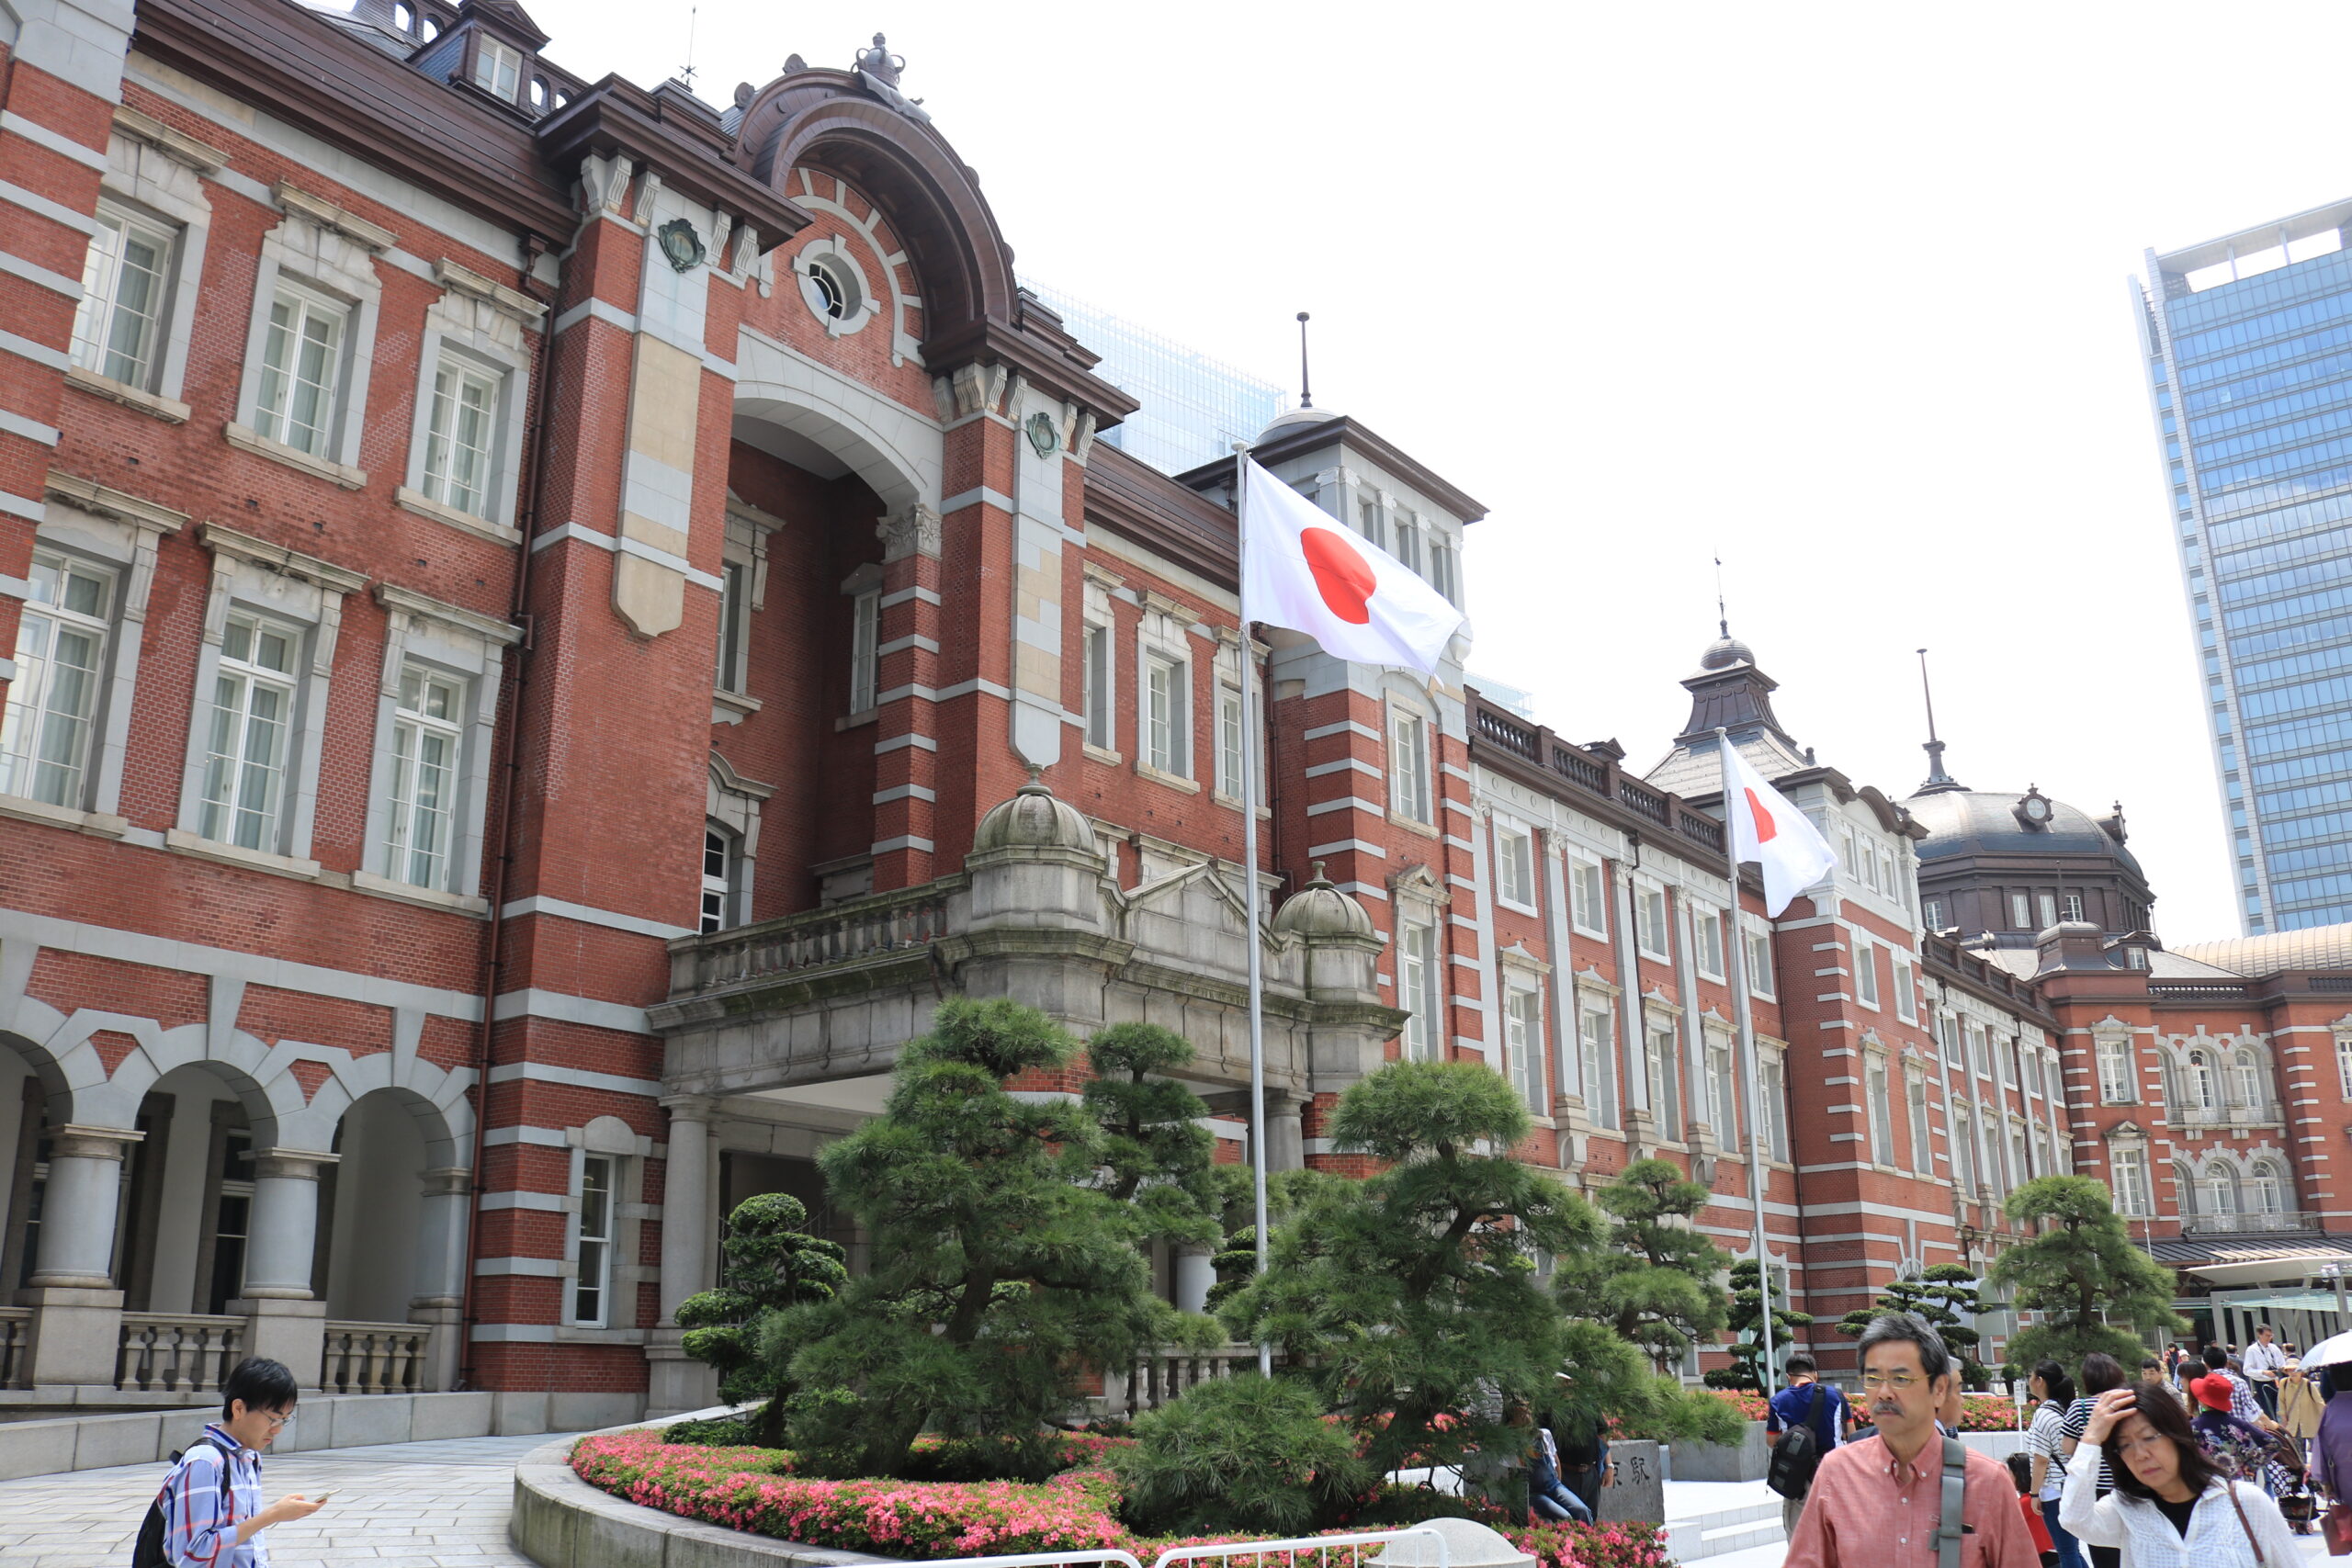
(1874,1503)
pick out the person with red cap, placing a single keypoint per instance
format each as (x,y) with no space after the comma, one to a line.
(2237,1448)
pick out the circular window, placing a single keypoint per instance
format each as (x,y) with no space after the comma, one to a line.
(828,289)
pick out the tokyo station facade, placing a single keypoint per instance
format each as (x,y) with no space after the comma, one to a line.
(552,624)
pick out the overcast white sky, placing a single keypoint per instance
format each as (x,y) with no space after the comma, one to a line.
(1837,291)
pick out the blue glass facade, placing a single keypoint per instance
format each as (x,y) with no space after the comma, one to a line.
(1194,408)
(2248,344)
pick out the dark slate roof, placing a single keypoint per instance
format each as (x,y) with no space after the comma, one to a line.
(1980,823)
(2190,1252)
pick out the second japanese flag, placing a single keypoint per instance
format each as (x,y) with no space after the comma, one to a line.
(1301,569)
(1768,831)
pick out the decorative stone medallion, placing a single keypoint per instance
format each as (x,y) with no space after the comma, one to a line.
(681,245)
(1042,434)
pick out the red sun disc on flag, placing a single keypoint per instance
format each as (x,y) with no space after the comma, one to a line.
(1342,575)
(1765,829)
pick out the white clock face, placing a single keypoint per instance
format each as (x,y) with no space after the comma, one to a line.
(2038,809)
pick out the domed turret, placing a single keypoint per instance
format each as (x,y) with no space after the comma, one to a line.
(1291,418)
(1033,819)
(1319,908)
(1725,651)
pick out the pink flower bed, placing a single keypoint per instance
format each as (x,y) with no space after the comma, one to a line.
(754,1490)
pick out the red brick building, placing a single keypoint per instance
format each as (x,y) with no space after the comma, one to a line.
(551,624)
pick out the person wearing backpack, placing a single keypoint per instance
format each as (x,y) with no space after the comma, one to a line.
(1910,1497)
(210,1513)
(1807,1418)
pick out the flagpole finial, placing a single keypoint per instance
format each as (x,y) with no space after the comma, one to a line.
(1723,616)
(1306,390)
(1938,780)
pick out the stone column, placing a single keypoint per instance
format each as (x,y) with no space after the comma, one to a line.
(282,1321)
(441,1255)
(674,1382)
(1194,1275)
(1286,1131)
(77,1311)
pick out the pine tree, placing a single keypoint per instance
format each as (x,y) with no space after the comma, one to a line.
(1156,1155)
(2093,1286)
(771,1264)
(1004,1267)
(1745,1324)
(1657,1279)
(1941,1296)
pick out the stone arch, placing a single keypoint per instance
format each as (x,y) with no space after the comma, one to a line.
(393,1148)
(807,414)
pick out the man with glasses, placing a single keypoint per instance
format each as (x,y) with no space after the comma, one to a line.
(1876,1503)
(211,1502)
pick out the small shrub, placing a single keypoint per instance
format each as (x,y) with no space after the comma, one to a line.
(722,1432)
(1238,1453)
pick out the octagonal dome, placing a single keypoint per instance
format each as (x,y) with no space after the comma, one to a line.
(1035,819)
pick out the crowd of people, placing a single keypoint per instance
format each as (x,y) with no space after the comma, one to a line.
(2217,1457)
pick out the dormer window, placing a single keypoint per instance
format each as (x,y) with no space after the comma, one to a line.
(498,68)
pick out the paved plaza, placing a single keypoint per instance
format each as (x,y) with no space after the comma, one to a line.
(441,1503)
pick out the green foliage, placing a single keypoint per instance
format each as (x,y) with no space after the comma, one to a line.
(1746,1323)
(1156,1156)
(2083,1273)
(1655,1279)
(1243,1453)
(1940,1295)
(773,1264)
(1002,1265)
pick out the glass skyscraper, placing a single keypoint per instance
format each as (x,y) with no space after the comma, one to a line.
(2248,344)
(1194,408)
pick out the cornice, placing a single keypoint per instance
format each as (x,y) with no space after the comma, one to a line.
(278,557)
(104,501)
(653,130)
(176,145)
(1045,366)
(490,629)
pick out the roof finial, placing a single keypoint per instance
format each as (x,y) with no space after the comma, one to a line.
(687,73)
(1723,617)
(1306,392)
(1938,780)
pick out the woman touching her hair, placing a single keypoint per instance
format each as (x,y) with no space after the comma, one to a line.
(2169,1499)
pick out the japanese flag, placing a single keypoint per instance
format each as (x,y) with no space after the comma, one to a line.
(1301,569)
(1767,829)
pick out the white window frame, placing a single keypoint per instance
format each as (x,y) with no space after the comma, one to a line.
(2020,912)
(499,62)
(285,586)
(862,693)
(421,821)
(1412,766)
(158,174)
(1772,1090)
(1653,923)
(2343,1066)
(461,485)
(1588,905)
(1866,993)
(1878,1096)
(99,317)
(730,663)
(1707,928)
(2112,1060)
(1421,966)
(463,645)
(322,252)
(1973,1035)
(1662,1074)
(1962,1135)
(1164,647)
(29,705)
(1723,1089)
(226,737)
(718,906)
(1515,867)
(1444,574)
(1597,1050)
(1760,982)
(2128,1165)
(1098,660)
(1231,743)
(1227,718)
(587,1168)
(1907,995)
(1523,1044)
(483,329)
(1933,913)
(1915,1098)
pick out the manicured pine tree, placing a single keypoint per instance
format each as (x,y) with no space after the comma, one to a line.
(1656,1277)
(771,1264)
(2092,1285)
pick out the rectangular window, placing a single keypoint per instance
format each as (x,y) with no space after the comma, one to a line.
(1759,964)
(1935,914)
(1649,923)
(1865,973)
(497,68)
(2115,1071)
(1408,545)
(1589,904)
(1596,1034)
(1774,1091)
(1708,925)
(1914,1095)
(734,604)
(865,657)
(52,703)
(1417,978)
(252,712)
(1722,1094)
(2073,906)
(119,329)
(2048,904)
(426,738)
(2004,1051)
(1228,743)
(1906,1006)
(1514,867)
(717,880)
(592,1286)
(1368,522)
(1408,768)
(2343,1065)
(302,370)
(1665,1082)
(1963,1152)
(1976,1035)
(2019,1171)
(1523,1038)
(2020,914)
(1882,1112)
(1167,722)
(1441,570)
(458,436)
(2130,1171)
(1098,709)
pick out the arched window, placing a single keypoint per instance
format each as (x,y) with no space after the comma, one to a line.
(2204,1090)
(2217,1190)
(538,92)
(2270,1188)
(432,30)
(718,862)
(2247,1071)
(2185,1183)
(404,19)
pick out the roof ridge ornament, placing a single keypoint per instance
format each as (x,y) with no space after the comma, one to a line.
(879,70)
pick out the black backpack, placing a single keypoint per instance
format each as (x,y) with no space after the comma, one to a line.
(149,1552)
(1798,1453)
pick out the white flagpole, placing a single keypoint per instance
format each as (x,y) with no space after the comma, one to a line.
(1249,748)
(1736,939)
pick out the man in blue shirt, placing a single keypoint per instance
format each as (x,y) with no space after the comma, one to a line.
(213,1519)
(1806,1403)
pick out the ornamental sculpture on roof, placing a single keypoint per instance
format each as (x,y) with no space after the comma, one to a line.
(878,69)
